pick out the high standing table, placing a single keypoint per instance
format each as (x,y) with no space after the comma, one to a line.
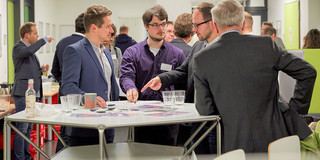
(48,97)
(136,118)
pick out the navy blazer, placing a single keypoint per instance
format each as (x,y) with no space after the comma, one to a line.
(82,73)
(26,66)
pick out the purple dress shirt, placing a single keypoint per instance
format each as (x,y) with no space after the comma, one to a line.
(139,66)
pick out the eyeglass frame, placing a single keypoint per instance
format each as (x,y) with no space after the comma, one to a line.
(157,25)
(197,25)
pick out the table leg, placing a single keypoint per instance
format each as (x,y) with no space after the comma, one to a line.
(218,138)
(6,141)
(38,140)
(101,143)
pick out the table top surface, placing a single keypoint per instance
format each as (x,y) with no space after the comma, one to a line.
(54,91)
(6,112)
(143,113)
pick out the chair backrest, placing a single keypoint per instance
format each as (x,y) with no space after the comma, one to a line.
(287,148)
(232,155)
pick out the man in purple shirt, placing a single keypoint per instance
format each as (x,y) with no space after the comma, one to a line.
(144,61)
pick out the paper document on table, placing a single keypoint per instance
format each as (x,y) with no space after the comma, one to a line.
(151,108)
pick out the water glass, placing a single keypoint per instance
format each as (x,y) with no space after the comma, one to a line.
(64,103)
(74,101)
(167,98)
(179,96)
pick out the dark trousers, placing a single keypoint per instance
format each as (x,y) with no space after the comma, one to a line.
(164,134)
(209,144)
(21,146)
(80,141)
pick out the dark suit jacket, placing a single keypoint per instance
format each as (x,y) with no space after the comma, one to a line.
(58,56)
(26,66)
(237,77)
(183,74)
(82,73)
(182,45)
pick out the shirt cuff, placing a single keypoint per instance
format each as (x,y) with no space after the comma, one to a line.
(46,39)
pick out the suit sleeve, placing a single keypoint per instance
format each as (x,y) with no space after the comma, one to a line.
(305,76)
(21,51)
(177,76)
(71,71)
(205,104)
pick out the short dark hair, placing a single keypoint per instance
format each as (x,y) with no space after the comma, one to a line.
(183,25)
(267,24)
(95,15)
(169,22)
(312,39)
(270,31)
(157,11)
(123,28)
(205,9)
(114,28)
(79,24)
(26,28)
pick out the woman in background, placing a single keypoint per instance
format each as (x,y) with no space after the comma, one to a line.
(312,39)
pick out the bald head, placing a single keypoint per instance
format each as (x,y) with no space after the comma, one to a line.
(248,23)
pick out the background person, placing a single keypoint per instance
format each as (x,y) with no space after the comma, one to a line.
(26,66)
(312,39)
(169,32)
(115,52)
(123,40)
(183,32)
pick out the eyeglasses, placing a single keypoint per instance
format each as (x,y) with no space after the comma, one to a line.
(156,25)
(197,25)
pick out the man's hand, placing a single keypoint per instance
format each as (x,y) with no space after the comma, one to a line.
(154,84)
(132,95)
(101,102)
(50,39)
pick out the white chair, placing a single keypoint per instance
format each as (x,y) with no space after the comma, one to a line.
(232,155)
(287,148)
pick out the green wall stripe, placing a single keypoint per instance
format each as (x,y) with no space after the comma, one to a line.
(313,57)
(26,14)
(10,41)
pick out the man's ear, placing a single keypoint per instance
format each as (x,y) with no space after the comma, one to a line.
(93,27)
(27,35)
(244,24)
(216,27)
(146,27)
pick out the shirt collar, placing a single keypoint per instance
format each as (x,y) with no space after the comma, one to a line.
(95,48)
(78,33)
(25,43)
(164,44)
(229,32)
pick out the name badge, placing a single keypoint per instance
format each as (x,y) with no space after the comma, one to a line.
(114,56)
(166,67)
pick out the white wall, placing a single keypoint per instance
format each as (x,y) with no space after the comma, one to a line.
(3,41)
(176,7)
(276,13)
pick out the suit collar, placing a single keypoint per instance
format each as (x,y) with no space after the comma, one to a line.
(93,55)
(230,34)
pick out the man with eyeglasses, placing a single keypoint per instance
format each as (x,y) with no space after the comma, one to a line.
(204,28)
(142,62)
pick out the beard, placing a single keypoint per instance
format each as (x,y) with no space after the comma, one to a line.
(156,39)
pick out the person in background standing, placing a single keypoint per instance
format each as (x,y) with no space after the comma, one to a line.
(57,64)
(26,66)
(183,32)
(248,24)
(123,40)
(312,39)
(169,32)
(115,52)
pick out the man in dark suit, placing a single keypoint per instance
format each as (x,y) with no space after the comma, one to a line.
(26,66)
(204,28)
(87,68)
(237,78)
(58,61)
(63,43)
